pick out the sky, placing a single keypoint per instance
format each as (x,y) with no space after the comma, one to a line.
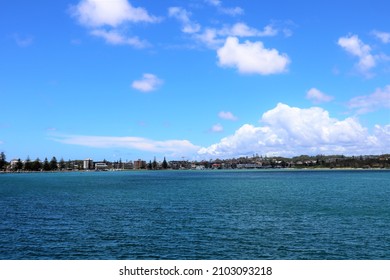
(194,80)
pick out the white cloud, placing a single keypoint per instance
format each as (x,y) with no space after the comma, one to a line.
(383,36)
(317,96)
(233,11)
(368,103)
(96,13)
(353,45)
(290,131)
(241,29)
(215,38)
(183,16)
(209,37)
(214,2)
(251,57)
(109,19)
(217,128)
(149,82)
(138,143)
(115,38)
(382,133)
(227,116)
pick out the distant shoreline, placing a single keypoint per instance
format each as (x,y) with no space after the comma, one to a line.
(204,170)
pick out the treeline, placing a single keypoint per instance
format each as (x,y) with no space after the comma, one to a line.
(341,161)
(256,161)
(32,165)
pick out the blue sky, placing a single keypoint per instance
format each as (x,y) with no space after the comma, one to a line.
(202,79)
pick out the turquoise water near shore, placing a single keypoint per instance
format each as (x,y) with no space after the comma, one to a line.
(196,215)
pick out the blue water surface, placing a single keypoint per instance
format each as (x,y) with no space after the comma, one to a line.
(196,215)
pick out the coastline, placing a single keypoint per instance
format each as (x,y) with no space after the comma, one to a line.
(197,170)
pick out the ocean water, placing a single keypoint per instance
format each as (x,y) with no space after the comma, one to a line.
(196,215)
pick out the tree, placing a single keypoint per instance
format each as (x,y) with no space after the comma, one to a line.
(154,165)
(2,160)
(70,164)
(19,165)
(164,164)
(53,164)
(36,165)
(28,164)
(46,165)
(62,164)
(150,166)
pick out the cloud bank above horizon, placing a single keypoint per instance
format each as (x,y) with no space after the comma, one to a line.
(284,131)
(290,131)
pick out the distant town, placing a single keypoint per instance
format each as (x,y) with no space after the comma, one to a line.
(252,162)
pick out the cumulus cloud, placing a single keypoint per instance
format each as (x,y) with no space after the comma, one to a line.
(251,57)
(116,38)
(149,82)
(108,19)
(227,116)
(317,96)
(183,16)
(353,45)
(96,13)
(290,131)
(382,133)
(383,36)
(138,143)
(368,103)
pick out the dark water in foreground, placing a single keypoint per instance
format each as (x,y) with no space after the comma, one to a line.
(196,215)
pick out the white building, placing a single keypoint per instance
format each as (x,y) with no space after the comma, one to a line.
(88,163)
(101,166)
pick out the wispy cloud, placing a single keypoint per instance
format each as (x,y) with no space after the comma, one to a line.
(354,46)
(23,41)
(137,143)
(241,29)
(217,128)
(232,11)
(251,57)
(214,2)
(383,36)
(188,26)
(373,102)
(215,38)
(149,82)
(227,116)
(317,96)
(116,38)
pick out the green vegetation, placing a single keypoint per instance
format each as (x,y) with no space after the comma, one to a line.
(2,160)
(254,162)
